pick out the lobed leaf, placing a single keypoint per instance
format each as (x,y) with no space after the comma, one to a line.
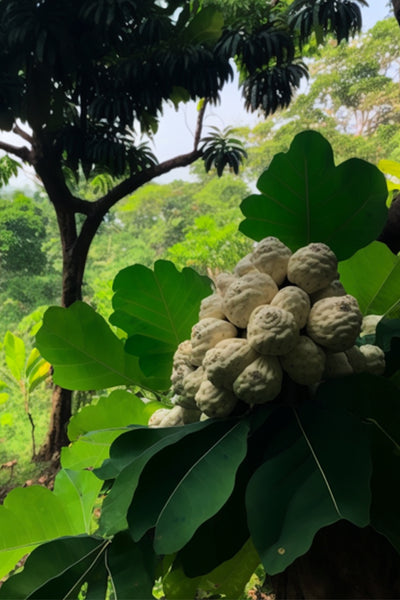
(306,198)
(157,309)
(85,353)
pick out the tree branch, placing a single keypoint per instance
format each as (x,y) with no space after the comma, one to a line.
(21,151)
(17,129)
(396,9)
(132,183)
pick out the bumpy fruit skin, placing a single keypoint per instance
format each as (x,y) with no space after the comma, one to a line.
(356,359)
(272,330)
(337,365)
(211,306)
(244,266)
(157,417)
(294,300)
(213,401)
(374,359)
(206,334)
(191,384)
(223,280)
(334,288)
(243,295)
(183,353)
(369,324)
(174,417)
(335,323)
(224,363)
(179,371)
(305,364)
(312,267)
(271,256)
(259,382)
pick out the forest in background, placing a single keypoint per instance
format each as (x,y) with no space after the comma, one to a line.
(352,99)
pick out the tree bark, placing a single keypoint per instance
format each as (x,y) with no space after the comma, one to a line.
(343,563)
(396,9)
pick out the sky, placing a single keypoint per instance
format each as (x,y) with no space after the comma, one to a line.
(176,130)
(175,135)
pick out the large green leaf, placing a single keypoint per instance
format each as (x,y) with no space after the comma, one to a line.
(157,309)
(306,198)
(128,457)
(187,507)
(66,511)
(85,353)
(376,400)
(216,541)
(372,275)
(322,476)
(166,472)
(59,569)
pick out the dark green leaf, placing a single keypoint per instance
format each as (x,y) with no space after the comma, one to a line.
(59,569)
(55,569)
(157,309)
(188,506)
(388,338)
(376,400)
(142,445)
(370,397)
(321,476)
(131,567)
(305,198)
(385,485)
(216,541)
(166,472)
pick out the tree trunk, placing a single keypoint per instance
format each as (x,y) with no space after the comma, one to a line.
(396,9)
(343,563)
(74,251)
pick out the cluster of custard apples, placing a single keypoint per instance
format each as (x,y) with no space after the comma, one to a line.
(278,314)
